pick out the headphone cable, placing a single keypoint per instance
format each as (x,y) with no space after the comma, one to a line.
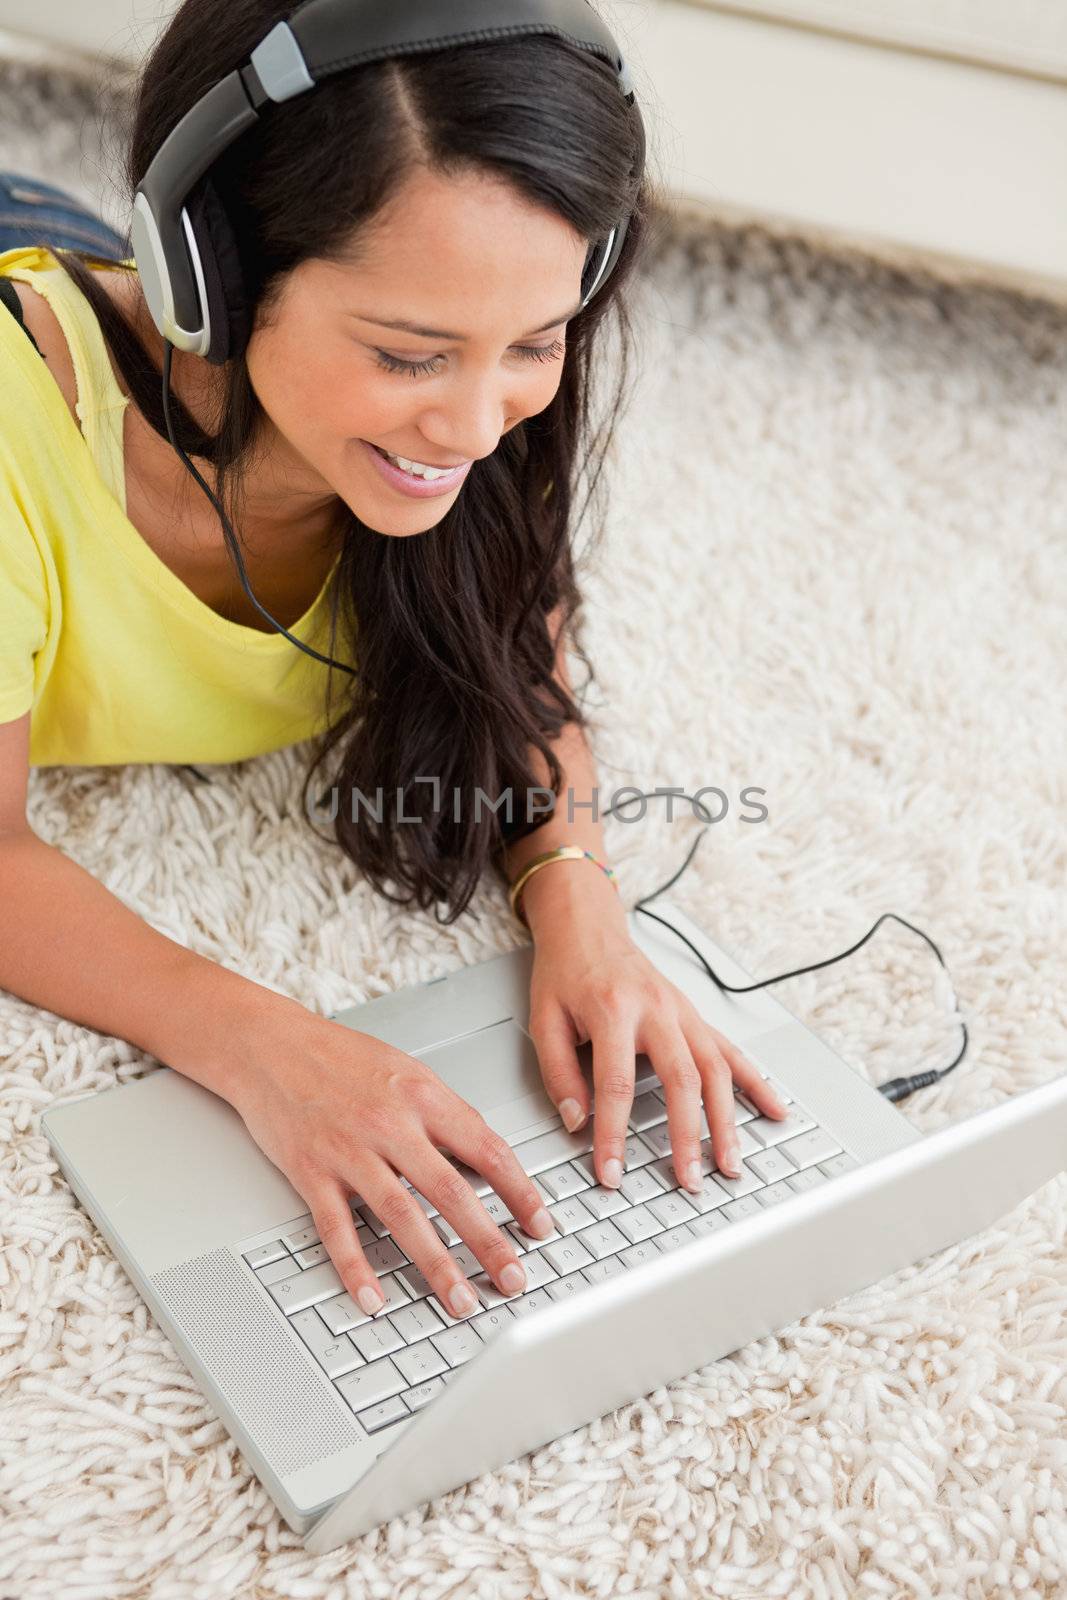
(329,661)
(896,1088)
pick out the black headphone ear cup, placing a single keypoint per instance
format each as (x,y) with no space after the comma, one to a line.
(227,298)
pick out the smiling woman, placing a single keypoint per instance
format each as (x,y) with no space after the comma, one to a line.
(411,240)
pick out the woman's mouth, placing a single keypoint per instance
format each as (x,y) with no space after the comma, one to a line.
(411,483)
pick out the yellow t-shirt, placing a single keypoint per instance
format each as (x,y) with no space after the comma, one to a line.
(115,657)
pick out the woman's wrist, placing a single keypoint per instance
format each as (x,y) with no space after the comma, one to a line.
(564,893)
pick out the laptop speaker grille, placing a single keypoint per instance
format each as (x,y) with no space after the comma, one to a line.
(248,1353)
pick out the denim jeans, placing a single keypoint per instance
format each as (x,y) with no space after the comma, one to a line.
(37,213)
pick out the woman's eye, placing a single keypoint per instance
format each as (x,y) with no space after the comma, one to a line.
(530,352)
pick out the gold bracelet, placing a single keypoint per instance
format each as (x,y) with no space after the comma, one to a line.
(563,852)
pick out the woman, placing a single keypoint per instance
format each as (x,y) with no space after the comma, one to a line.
(456,191)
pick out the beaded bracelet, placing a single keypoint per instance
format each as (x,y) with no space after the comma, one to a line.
(563,852)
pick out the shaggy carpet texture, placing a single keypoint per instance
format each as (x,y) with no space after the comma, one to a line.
(833,566)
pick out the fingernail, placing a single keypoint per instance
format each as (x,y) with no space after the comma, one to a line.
(694,1178)
(613,1173)
(513,1279)
(370,1300)
(541,1224)
(462,1300)
(572,1114)
(732,1157)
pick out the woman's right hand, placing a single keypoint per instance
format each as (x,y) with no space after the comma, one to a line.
(341,1112)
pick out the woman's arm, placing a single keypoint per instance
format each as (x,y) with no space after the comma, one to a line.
(551,895)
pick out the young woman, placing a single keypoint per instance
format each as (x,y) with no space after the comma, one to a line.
(455,191)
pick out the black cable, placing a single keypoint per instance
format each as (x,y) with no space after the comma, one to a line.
(896,1088)
(329,661)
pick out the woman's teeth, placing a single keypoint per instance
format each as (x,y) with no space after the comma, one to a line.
(416,468)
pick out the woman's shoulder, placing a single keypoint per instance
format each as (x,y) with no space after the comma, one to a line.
(42,323)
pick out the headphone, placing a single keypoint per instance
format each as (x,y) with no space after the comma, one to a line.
(183,242)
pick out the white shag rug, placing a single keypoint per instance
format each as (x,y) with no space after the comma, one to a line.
(835,568)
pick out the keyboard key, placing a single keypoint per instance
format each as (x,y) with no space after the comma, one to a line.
(569,1216)
(812,1146)
(657,1139)
(394,1292)
(496,1209)
(381,1415)
(264,1254)
(564,1288)
(487,1291)
(423,1393)
(638,1254)
(836,1164)
(775,1193)
(412,1282)
(638,1224)
(305,1288)
(770,1165)
(277,1270)
(530,1302)
(486,1323)
(445,1230)
(602,1239)
(769,1132)
(602,1203)
(551,1148)
(738,1210)
(312,1257)
(746,1144)
(610,1267)
(538,1271)
(384,1254)
(672,1238)
(562,1182)
(736,1187)
(566,1255)
(457,1344)
(644,1184)
(341,1313)
(466,1260)
(646,1109)
(672,1209)
(371,1384)
(810,1178)
(301,1234)
(416,1321)
(376,1338)
(636,1153)
(711,1222)
(365,1216)
(420,1362)
(336,1354)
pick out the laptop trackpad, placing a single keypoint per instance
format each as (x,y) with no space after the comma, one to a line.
(496,1070)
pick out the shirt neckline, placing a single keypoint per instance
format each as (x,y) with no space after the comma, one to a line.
(124,531)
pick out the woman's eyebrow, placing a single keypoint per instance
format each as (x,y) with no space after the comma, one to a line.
(403,326)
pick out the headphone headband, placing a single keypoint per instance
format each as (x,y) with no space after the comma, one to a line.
(181,259)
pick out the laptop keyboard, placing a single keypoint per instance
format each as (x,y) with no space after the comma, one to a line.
(388,1366)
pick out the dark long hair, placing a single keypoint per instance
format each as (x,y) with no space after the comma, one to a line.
(448,629)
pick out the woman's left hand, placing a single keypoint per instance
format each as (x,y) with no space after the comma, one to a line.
(591,982)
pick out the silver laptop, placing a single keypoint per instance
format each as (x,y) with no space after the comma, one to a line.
(349,1420)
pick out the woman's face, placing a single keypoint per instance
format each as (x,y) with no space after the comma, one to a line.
(466,256)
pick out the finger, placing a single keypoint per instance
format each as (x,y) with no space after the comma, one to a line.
(448,1189)
(463,1131)
(614,1068)
(336,1228)
(717,1079)
(561,1073)
(668,1049)
(397,1209)
(748,1077)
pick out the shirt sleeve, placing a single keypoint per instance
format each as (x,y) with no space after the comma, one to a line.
(24,608)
